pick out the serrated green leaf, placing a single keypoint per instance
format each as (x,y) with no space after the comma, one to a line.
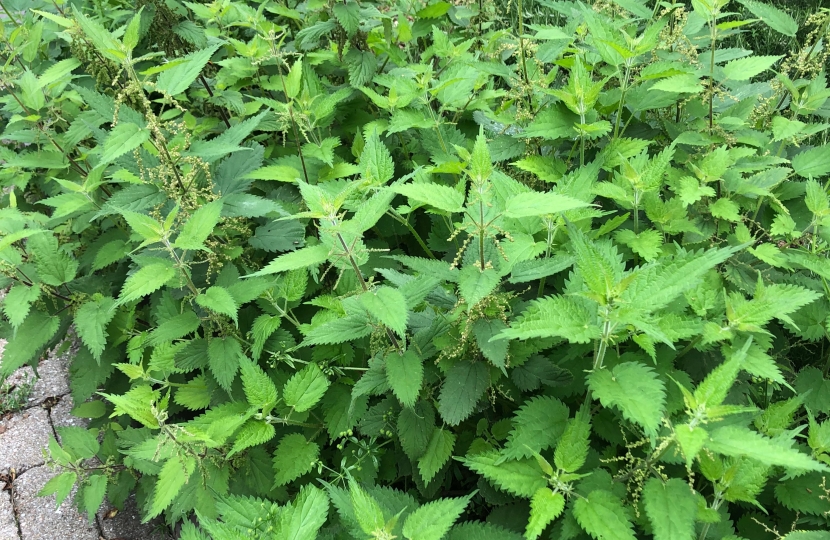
(741,442)
(545,506)
(302,258)
(224,355)
(405,374)
(812,162)
(522,478)
(91,322)
(173,476)
(540,204)
(434,519)
(295,456)
(635,390)
(253,433)
(466,382)
(177,79)
(388,305)
(35,332)
(305,388)
(93,494)
(744,69)
(200,225)
(537,426)
(778,20)
(438,451)
(18,302)
(572,449)
(555,316)
(259,388)
(145,281)
(440,197)
(671,507)
(219,300)
(474,285)
(194,395)
(603,516)
(123,138)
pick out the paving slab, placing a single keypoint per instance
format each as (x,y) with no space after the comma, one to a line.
(126,524)
(8,525)
(38,518)
(23,436)
(61,414)
(53,379)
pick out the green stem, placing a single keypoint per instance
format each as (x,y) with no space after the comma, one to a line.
(405,222)
(389,333)
(623,89)
(3,5)
(522,43)
(714,32)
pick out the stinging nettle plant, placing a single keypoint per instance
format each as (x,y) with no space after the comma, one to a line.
(426,271)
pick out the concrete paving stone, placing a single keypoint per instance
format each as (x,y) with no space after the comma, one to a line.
(23,435)
(61,414)
(8,525)
(38,518)
(126,524)
(53,378)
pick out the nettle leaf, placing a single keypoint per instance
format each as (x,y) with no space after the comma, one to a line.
(438,452)
(474,284)
(405,374)
(540,204)
(555,316)
(745,68)
(440,197)
(778,20)
(305,388)
(219,300)
(742,442)
(521,478)
(603,516)
(376,163)
(200,225)
(145,281)
(545,506)
(388,305)
(812,163)
(125,137)
(91,322)
(671,507)
(259,388)
(635,390)
(294,457)
(302,258)
(173,476)
(572,449)
(223,359)
(464,385)
(177,79)
(537,426)
(415,430)
(18,302)
(253,433)
(433,520)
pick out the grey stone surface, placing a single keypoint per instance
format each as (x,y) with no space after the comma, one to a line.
(8,525)
(126,524)
(25,434)
(61,414)
(53,379)
(38,518)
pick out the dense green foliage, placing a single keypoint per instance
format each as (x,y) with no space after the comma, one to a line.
(394,270)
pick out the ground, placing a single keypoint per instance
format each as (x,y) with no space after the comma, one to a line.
(24,434)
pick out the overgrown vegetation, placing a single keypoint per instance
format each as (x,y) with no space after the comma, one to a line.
(395,270)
